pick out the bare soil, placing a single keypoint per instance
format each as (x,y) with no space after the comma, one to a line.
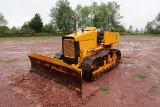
(140,56)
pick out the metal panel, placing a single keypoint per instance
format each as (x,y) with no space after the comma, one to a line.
(69,50)
(57,70)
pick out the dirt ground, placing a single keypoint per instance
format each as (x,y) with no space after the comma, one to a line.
(134,83)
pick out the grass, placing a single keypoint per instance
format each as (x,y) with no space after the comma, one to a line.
(154,89)
(30,38)
(9,60)
(142,76)
(104,88)
(130,63)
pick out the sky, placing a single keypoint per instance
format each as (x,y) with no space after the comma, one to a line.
(135,12)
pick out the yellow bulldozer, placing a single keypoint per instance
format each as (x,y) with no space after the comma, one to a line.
(87,54)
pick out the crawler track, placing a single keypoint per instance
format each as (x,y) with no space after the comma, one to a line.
(95,66)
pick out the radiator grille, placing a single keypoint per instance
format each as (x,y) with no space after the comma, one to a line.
(69,50)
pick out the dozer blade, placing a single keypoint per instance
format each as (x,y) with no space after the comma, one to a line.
(57,70)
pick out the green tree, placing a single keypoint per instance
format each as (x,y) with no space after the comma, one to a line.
(153,27)
(157,27)
(120,28)
(15,31)
(94,8)
(105,14)
(149,28)
(36,23)
(78,15)
(3,21)
(4,31)
(114,14)
(26,29)
(62,15)
(49,28)
(85,16)
(25,26)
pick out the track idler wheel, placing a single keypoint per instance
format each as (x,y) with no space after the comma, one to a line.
(114,58)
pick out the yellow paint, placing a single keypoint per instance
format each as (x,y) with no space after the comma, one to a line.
(53,61)
(88,47)
(112,38)
(88,41)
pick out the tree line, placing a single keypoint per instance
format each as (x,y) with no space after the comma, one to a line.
(98,15)
(62,15)
(103,15)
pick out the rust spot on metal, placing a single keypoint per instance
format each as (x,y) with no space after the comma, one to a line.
(56,70)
